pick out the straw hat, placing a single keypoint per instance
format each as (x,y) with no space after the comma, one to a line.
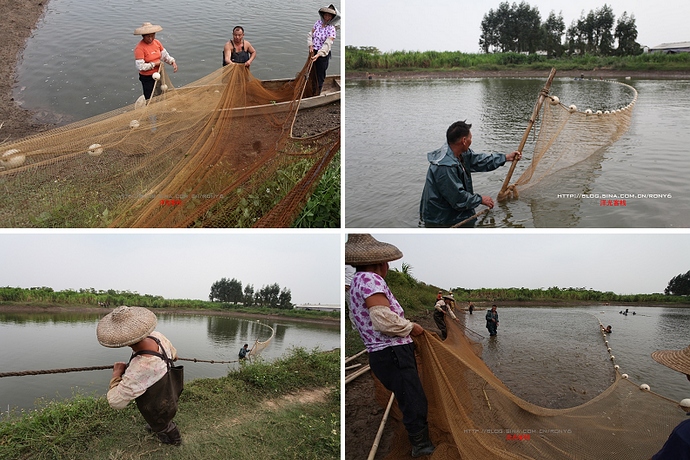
(678,360)
(125,326)
(449,297)
(329,9)
(147,28)
(364,249)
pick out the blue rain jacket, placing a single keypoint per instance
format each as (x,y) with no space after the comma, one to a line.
(448,196)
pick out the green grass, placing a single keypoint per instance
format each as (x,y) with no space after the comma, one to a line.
(357,59)
(246,415)
(323,208)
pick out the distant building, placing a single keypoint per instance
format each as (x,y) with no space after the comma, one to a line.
(671,48)
(317,307)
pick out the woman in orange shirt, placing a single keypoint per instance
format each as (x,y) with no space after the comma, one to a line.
(148,55)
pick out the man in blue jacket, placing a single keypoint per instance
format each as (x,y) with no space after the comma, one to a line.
(448,197)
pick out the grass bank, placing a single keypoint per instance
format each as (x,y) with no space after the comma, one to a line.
(287,409)
(357,59)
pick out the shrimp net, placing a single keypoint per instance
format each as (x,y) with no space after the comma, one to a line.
(569,135)
(260,346)
(473,415)
(218,152)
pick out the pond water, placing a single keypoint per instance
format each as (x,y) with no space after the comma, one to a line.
(66,340)
(556,357)
(392,124)
(79,62)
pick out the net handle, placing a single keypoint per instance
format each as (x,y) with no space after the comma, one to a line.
(503,194)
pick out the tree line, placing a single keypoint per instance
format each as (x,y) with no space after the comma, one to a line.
(91,296)
(519,28)
(231,291)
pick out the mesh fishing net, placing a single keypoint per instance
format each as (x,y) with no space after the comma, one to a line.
(568,136)
(260,346)
(473,415)
(218,152)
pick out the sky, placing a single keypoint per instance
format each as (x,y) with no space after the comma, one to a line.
(173,265)
(452,25)
(622,263)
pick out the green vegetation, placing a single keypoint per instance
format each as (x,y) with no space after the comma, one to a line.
(371,60)
(44,296)
(246,415)
(323,207)
(679,285)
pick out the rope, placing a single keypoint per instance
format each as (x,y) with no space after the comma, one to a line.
(95,368)
(54,371)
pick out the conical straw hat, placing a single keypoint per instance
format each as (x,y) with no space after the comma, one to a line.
(147,28)
(364,249)
(125,326)
(678,360)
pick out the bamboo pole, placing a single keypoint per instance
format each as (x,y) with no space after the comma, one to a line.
(347,368)
(375,446)
(347,360)
(356,374)
(504,193)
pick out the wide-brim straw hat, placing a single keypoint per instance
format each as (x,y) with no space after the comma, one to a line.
(125,326)
(678,360)
(328,9)
(147,28)
(449,297)
(364,249)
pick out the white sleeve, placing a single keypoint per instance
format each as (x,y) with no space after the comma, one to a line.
(165,57)
(326,47)
(142,66)
(310,39)
(385,321)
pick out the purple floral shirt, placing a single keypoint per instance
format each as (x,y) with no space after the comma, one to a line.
(320,34)
(366,284)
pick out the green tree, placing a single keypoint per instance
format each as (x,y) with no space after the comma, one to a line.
(552,33)
(248,295)
(226,290)
(679,285)
(511,28)
(285,299)
(626,34)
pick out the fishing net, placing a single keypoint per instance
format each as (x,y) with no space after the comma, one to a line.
(218,152)
(473,415)
(568,135)
(260,346)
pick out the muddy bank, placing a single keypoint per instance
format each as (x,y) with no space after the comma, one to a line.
(55,308)
(514,73)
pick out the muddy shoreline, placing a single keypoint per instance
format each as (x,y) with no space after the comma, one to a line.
(55,308)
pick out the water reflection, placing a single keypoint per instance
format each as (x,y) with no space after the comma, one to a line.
(54,341)
(649,159)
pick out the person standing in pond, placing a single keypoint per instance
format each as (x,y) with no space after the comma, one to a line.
(387,334)
(150,378)
(238,50)
(470,307)
(442,308)
(244,351)
(492,321)
(448,196)
(321,40)
(148,55)
(677,446)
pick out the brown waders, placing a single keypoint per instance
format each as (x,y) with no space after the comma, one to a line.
(158,404)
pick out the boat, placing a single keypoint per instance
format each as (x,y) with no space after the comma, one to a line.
(329,93)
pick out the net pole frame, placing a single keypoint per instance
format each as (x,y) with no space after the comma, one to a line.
(504,193)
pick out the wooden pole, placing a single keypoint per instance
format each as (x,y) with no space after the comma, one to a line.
(356,374)
(503,194)
(375,447)
(347,360)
